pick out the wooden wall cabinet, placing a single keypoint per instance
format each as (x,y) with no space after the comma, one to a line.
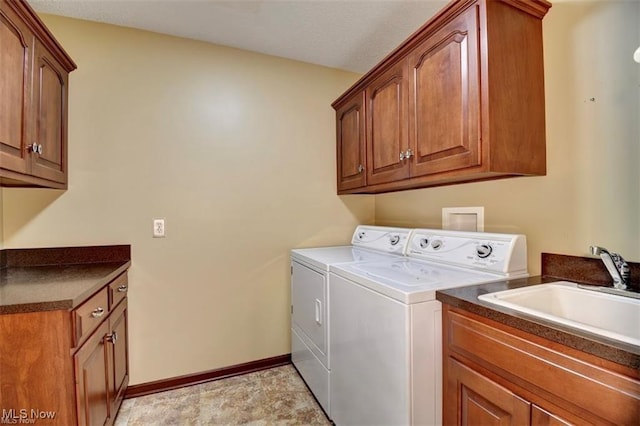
(73,363)
(350,139)
(33,100)
(462,99)
(497,375)
(386,112)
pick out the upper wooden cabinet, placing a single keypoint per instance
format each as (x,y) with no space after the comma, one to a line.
(351,143)
(386,111)
(460,100)
(444,101)
(33,100)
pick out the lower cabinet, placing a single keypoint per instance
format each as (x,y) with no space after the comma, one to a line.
(497,375)
(119,356)
(92,387)
(102,372)
(66,367)
(483,402)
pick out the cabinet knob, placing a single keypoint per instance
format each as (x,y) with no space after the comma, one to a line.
(360,168)
(112,338)
(122,288)
(98,312)
(406,155)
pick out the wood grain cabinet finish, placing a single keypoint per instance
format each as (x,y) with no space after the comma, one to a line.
(461,100)
(494,374)
(483,402)
(351,153)
(70,363)
(33,100)
(444,102)
(386,114)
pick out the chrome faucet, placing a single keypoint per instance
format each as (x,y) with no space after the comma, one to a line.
(616,265)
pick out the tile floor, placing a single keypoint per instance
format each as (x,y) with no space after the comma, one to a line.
(276,396)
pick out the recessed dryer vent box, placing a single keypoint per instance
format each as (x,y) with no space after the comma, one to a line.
(463,218)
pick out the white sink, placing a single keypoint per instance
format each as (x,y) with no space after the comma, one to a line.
(609,315)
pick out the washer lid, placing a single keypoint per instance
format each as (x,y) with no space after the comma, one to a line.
(322,257)
(369,243)
(410,280)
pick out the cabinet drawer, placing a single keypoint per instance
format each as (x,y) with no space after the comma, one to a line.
(118,290)
(89,315)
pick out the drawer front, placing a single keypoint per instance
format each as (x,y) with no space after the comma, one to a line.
(89,315)
(118,290)
(522,362)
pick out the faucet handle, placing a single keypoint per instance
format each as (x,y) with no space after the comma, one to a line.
(615,264)
(622,266)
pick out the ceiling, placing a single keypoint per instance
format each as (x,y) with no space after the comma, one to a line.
(352,35)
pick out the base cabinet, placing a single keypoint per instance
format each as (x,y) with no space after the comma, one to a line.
(496,375)
(92,387)
(71,364)
(483,402)
(118,356)
(102,373)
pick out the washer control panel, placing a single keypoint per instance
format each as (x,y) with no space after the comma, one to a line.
(502,253)
(385,239)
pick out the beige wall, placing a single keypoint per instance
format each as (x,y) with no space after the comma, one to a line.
(234,149)
(591,192)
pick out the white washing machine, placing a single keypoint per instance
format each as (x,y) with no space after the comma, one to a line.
(385,332)
(309,295)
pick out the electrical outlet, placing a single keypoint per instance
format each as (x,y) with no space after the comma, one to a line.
(158,228)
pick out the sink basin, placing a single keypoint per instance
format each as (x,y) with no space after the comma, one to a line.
(609,315)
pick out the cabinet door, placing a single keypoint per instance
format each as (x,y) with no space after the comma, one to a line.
(50,117)
(444,100)
(16,42)
(541,417)
(118,345)
(472,399)
(92,385)
(386,103)
(350,124)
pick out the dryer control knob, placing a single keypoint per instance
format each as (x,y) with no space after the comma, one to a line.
(484,250)
(436,244)
(394,239)
(424,243)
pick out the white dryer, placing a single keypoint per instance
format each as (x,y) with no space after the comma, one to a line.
(309,298)
(385,330)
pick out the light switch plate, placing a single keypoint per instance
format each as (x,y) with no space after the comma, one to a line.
(463,219)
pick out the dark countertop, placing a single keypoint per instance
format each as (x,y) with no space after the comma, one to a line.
(466,298)
(33,280)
